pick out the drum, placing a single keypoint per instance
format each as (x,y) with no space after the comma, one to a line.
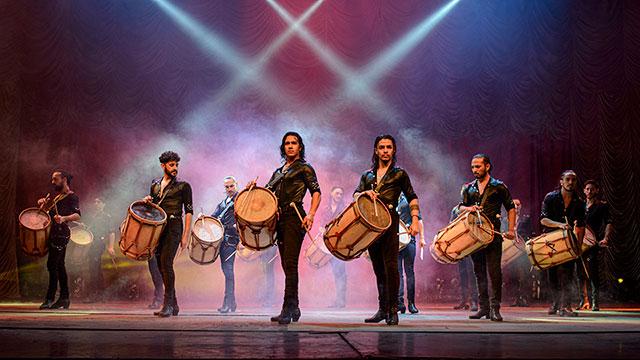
(551,249)
(35,226)
(246,254)
(206,239)
(141,230)
(511,250)
(462,237)
(317,254)
(589,239)
(256,212)
(356,228)
(81,239)
(404,235)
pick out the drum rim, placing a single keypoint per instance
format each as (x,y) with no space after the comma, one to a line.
(272,195)
(194,235)
(40,210)
(359,213)
(147,221)
(405,227)
(81,228)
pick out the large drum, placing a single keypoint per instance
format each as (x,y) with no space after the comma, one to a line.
(256,212)
(81,239)
(35,226)
(141,230)
(552,249)
(511,250)
(317,253)
(206,239)
(356,228)
(589,239)
(404,235)
(467,234)
(246,254)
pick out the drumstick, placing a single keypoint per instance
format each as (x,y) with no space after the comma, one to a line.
(293,205)
(584,266)
(46,198)
(273,258)
(404,233)
(246,201)
(229,257)
(421,252)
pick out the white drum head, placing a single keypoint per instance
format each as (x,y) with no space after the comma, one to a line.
(208,229)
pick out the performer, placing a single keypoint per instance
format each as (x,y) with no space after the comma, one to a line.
(563,209)
(385,181)
(406,258)
(65,208)
(290,183)
(488,195)
(224,213)
(338,266)
(599,220)
(172,195)
(104,237)
(519,268)
(468,286)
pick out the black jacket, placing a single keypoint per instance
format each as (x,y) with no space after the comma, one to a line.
(224,213)
(291,185)
(394,182)
(553,209)
(177,194)
(497,195)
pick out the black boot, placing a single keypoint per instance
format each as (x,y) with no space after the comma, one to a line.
(401,307)
(170,307)
(227,308)
(61,304)
(553,309)
(46,304)
(412,308)
(462,306)
(474,306)
(483,312)
(176,309)
(286,316)
(377,317)
(392,317)
(495,314)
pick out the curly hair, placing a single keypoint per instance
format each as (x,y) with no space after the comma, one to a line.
(169,156)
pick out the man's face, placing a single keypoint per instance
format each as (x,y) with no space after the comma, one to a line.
(230,187)
(58,181)
(568,182)
(479,168)
(337,194)
(385,150)
(171,168)
(99,205)
(291,146)
(590,191)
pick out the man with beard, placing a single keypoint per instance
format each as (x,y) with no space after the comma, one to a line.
(172,195)
(104,237)
(224,213)
(406,259)
(563,209)
(290,183)
(488,195)
(599,220)
(386,181)
(65,208)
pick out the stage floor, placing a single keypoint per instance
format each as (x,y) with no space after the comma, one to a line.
(123,331)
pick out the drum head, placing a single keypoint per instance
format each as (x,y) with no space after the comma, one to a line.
(81,236)
(366,209)
(208,229)
(149,212)
(481,228)
(404,237)
(34,219)
(257,205)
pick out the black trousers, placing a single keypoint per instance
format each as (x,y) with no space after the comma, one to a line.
(384,258)
(165,253)
(290,235)
(57,269)
(156,278)
(591,282)
(406,259)
(487,262)
(561,280)
(228,248)
(96,278)
(468,284)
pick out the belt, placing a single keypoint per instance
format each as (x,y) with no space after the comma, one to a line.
(174,217)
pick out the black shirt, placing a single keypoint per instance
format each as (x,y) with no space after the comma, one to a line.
(326,214)
(553,209)
(496,195)
(224,213)
(291,185)
(101,225)
(70,204)
(177,194)
(394,182)
(598,218)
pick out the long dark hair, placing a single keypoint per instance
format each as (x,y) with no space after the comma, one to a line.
(292,133)
(374,158)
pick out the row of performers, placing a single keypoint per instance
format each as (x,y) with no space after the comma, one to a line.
(385,181)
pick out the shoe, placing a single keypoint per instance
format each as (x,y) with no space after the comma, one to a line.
(480,314)
(412,308)
(156,304)
(167,311)
(227,309)
(61,304)
(553,309)
(474,306)
(377,317)
(46,304)
(462,306)
(494,315)
(284,315)
(402,308)
(567,312)
(392,317)
(596,306)
(176,309)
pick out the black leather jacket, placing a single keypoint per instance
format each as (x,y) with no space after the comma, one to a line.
(176,195)
(394,182)
(291,185)
(224,213)
(497,195)
(553,209)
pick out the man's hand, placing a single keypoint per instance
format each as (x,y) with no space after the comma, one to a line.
(604,242)
(414,229)
(307,222)
(60,219)
(41,201)
(371,194)
(111,251)
(473,208)
(423,243)
(511,235)
(251,183)
(148,199)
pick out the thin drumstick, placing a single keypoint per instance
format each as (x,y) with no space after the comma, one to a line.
(273,258)
(246,201)
(229,257)
(293,205)
(584,266)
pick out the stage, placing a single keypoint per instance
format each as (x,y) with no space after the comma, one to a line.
(126,330)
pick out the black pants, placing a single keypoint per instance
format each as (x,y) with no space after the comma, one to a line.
(165,253)
(227,260)
(591,282)
(290,234)
(96,278)
(384,258)
(156,278)
(561,280)
(487,261)
(468,284)
(338,267)
(406,259)
(57,269)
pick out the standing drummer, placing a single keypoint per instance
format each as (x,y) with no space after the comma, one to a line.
(563,209)
(290,183)
(172,195)
(488,195)
(224,213)
(386,181)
